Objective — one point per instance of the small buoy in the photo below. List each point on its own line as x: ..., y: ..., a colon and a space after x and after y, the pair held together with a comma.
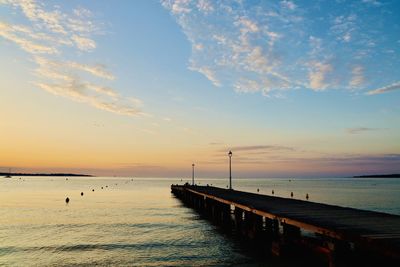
x: 106, y: 185
x: 291, y: 194
x: 101, y: 187
x: 258, y: 190
x: 81, y: 193
x: 307, y: 196
x: 67, y: 200
x: 92, y: 190
x: 66, y: 179
x: 273, y: 192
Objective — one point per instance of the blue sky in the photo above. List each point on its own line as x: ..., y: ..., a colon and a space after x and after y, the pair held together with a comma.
x: 295, y: 87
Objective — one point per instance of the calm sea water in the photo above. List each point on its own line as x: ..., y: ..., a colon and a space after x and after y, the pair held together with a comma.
x: 139, y: 222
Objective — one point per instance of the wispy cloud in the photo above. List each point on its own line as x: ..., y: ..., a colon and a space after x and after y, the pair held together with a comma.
x: 389, y: 88
x: 362, y: 159
x: 15, y: 33
x: 288, y: 4
x: 205, y: 6
x: 83, y: 43
x: 47, y: 37
x: 278, y: 46
x: 55, y: 27
x: 252, y: 154
x: 343, y: 27
x: 94, y: 95
x: 97, y: 70
x: 357, y: 76
x: 372, y: 2
x: 318, y: 75
x: 215, y: 143
x: 359, y: 130
x: 228, y: 55
x: 178, y: 6
x: 209, y: 73
x: 261, y: 147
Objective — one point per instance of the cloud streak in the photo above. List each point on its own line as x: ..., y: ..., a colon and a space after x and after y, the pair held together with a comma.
x: 46, y: 39
x: 13, y: 33
x: 260, y: 147
x: 359, y: 130
x: 389, y: 88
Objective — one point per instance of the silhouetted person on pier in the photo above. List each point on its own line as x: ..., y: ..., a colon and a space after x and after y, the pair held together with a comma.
x: 258, y: 190
x: 307, y: 196
x: 291, y: 194
x: 273, y: 192
x: 67, y: 200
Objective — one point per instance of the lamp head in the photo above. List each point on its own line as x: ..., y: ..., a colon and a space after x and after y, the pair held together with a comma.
x: 230, y: 153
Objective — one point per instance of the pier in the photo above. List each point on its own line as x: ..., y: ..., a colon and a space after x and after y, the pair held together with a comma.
x: 321, y: 234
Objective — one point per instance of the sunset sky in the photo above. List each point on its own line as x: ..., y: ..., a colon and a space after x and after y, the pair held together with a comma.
x: 145, y: 88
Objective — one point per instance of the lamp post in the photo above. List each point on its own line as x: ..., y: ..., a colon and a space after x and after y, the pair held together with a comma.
x: 230, y: 169
x: 192, y: 173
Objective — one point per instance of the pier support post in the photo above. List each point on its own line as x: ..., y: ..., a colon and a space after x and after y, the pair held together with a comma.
x: 207, y: 207
x: 217, y: 214
x: 290, y: 239
x: 226, y: 216
x: 341, y: 254
x: 238, y: 218
x: 201, y: 204
x: 252, y: 225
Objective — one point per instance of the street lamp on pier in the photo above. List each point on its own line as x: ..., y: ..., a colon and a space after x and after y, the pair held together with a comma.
x: 230, y: 169
x: 192, y: 173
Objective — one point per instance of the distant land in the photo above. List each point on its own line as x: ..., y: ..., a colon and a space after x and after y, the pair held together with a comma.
x: 43, y: 174
x: 378, y: 176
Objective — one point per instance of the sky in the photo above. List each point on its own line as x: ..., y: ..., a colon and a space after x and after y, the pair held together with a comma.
x: 146, y: 88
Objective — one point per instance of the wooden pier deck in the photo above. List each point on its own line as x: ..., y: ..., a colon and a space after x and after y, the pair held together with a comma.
x: 373, y: 232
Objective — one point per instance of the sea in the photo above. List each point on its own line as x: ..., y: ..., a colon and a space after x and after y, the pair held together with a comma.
x: 130, y: 221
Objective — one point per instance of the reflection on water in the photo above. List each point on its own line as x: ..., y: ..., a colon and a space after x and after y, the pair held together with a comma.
x: 140, y: 223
